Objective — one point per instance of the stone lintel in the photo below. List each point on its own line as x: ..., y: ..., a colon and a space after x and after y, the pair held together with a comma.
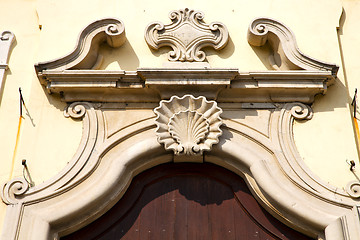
x: 154, y: 84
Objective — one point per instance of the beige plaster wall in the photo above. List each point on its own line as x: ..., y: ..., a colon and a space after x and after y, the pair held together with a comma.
x: 328, y: 142
x: 48, y: 140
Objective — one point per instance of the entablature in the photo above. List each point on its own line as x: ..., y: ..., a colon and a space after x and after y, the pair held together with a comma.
x: 221, y: 84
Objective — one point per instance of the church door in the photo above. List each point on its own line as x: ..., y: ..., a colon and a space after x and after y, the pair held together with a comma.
x: 187, y: 201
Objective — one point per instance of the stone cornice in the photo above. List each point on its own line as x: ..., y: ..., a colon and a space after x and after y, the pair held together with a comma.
x: 154, y: 84
x: 298, y: 78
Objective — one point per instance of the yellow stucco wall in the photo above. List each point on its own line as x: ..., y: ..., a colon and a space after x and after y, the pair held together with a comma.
x: 48, y: 140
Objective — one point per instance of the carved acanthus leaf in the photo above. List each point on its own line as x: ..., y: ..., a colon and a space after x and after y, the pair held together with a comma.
x: 188, y: 125
x: 186, y: 35
x: 286, y: 54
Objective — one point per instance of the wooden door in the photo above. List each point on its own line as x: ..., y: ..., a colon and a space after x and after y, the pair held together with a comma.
x: 186, y: 201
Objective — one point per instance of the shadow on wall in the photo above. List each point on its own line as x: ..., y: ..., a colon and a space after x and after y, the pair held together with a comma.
x: 337, y: 95
x: 263, y: 54
x: 6, y: 72
x: 124, y: 56
x: 224, y: 53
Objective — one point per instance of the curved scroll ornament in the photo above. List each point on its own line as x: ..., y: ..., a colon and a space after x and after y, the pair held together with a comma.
x: 7, y: 38
x: 13, y: 189
x: 286, y: 54
x: 75, y: 110
x: 186, y: 35
x: 301, y: 111
x: 18, y: 190
x: 353, y: 189
x: 85, y: 54
x: 188, y: 125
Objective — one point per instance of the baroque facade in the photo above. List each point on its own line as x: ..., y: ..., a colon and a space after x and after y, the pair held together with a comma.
x: 247, y: 87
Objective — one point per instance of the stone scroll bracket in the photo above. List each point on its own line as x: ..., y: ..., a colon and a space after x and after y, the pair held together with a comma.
x: 187, y: 35
x: 86, y: 53
x: 7, y: 39
x: 285, y: 52
x: 19, y: 191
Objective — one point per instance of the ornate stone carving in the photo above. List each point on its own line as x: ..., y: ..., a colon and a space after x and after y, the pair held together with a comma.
x: 353, y: 189
x: 12, y: 189
x: 186, y: 35
x: 268, y: 161
x: 85, y: 54
x: 188, y: 125
x: 286, y: 54
x: 6, y: 40
x: 75, y: 110
x: 301, y: 111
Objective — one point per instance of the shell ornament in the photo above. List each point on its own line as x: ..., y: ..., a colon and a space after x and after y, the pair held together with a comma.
x: 188, y: 125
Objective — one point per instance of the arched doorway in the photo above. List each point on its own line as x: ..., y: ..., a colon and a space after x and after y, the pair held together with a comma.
x: 187, y: 201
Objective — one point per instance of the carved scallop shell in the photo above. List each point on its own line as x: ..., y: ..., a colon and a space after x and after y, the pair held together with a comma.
x: 188, y: 125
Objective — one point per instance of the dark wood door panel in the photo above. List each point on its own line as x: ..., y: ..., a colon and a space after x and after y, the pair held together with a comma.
x: 187, y: 201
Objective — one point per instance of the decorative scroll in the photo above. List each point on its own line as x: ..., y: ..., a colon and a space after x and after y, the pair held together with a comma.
x: 6, y: 40
x: 301, y: 111
x: 286, y: 54
x: 76, y: 110
x: 13, y: 189
x: 85, y: 54
x: 186, y: 35
x: 353, y: 189
x: 188, y: 125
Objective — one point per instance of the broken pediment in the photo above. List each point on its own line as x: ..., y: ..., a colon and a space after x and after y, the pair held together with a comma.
x: 187, y: 35
x: 285, y: 52
x: 86, y: 53
x: 297, y: 77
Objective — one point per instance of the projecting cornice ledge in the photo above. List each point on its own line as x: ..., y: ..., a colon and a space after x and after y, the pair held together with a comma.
x: 154, y: 84
x: 295, y: 78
